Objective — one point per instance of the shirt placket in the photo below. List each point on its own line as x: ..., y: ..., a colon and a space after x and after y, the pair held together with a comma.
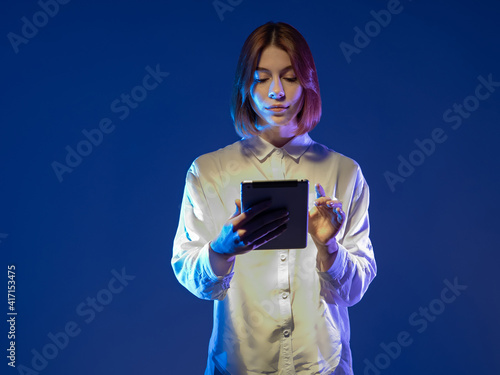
x: 278, y: 173
x: 286, y: 313
x: 277, y: 165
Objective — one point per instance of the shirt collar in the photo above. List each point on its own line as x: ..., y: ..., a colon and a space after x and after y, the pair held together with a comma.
x: 262, y: 148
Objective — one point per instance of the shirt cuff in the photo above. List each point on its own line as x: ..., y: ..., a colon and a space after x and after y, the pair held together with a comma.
x: 339, y: 265
x: 207, y: 267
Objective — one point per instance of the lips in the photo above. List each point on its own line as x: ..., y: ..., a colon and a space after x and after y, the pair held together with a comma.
x: 277, y: 108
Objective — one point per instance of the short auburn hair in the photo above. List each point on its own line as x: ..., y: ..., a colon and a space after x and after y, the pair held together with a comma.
x: 287, y: 38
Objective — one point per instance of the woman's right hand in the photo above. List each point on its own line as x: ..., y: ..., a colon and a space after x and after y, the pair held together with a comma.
x: 245, y: 231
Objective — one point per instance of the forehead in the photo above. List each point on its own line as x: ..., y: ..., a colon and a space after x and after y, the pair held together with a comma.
x: 274, y: 59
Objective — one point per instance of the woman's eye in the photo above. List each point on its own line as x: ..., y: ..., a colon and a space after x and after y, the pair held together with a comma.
x: 289, y: 79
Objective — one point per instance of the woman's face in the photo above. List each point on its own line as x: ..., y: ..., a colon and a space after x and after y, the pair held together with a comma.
x: 276, y: 94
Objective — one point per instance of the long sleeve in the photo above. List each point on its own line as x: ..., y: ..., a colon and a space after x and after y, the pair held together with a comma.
x: 354, y: 268
x: 190, y: 260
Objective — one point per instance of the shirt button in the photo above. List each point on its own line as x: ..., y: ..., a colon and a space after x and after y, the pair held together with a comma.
x: 284, y: 296
x: 279, y: 152
x: 286, y: 333
x: 283, y: 257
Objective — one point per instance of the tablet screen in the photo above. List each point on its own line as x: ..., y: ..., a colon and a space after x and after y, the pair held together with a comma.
x: 290, y: 194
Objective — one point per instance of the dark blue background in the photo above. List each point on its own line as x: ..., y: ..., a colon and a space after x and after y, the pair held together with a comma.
x: 119, y: 207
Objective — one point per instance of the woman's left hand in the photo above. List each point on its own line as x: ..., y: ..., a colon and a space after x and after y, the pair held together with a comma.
x: 325, y: 220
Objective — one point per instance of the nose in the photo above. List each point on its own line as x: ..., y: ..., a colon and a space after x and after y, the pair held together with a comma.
x: 276, y: 89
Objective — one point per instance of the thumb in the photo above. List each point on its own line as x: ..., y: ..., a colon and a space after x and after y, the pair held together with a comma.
x: 237, y: 203
x: 320, y: 192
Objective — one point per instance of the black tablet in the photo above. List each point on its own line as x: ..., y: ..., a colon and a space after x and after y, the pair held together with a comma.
x: 290, y: 194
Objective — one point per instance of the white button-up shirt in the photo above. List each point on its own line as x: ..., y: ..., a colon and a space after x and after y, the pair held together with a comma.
x: 275, y: 312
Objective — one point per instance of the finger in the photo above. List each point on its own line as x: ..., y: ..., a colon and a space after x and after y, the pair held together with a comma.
x: 334, y: 201
x: 261, y: 228
x: 340, y: 215
x: 270, y: 236
x: 337, y: 209
x: 237, y: 203
x: 326, y: 211
x: 263, y: 219
x: 251, y: 212
x: 322, y: 201
x: 320, y: 192
x: 334, y: 204
x: 336, y: 216
x: 263, y: 231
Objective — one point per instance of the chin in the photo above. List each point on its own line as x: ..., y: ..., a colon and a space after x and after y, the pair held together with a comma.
x: 279, y: 120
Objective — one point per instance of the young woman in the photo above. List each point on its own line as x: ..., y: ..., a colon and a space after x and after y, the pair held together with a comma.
x: 275, y: 311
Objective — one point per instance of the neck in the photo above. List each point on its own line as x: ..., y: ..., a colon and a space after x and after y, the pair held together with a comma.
x: 278, y: 136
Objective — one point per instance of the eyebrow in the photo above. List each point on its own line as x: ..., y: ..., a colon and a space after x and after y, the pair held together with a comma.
x: 259, y: 68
